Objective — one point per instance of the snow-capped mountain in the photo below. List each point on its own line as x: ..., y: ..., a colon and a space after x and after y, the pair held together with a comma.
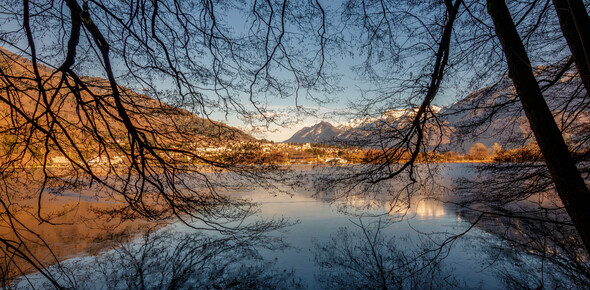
x: 387, y: 115
x: 322, y: 132
x: 489, y: 115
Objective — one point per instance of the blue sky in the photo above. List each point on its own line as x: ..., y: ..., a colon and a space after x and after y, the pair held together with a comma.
x: 341, y: 102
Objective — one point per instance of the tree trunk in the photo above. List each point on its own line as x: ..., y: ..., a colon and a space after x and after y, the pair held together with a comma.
x: 568, y: 182
x: 575, y: 26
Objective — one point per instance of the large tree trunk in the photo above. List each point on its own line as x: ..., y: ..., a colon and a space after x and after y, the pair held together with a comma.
x: 568, y: 182
x: 575, y: 25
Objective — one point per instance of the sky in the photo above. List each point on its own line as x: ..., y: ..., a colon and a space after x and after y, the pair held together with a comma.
x: 342, y: 101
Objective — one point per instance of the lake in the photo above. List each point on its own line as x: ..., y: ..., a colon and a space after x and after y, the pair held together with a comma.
x: 354, y: 242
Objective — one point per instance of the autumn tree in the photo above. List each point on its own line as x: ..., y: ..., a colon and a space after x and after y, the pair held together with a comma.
x: 479, y: 152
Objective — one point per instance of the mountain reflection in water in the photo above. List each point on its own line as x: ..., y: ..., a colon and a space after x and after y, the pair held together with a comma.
x: 428, y: 208
x: 422, y: 207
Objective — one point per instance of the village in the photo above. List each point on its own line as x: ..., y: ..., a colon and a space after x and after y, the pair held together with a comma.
x: 271, y: 153
x: 248, y: 153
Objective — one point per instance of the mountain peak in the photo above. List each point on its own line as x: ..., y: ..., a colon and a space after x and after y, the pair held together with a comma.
x: 321, y: 132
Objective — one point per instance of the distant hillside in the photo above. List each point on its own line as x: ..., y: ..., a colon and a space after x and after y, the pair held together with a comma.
x: 489, y: 115
x: 94, y: 108
x: 494, y: 114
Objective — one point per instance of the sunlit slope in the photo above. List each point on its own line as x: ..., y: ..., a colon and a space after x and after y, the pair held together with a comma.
x: 83, y: 111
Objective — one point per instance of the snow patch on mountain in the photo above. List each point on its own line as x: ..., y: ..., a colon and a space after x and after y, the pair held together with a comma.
x: 489, y: 115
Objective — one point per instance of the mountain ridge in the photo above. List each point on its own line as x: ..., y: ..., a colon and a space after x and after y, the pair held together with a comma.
x: 322, y: 132
x: 97, y: 103
x: 488, y: 115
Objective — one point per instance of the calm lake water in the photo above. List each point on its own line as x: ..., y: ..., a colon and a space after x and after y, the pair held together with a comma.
x: 354, y: 243
x: 322, y: 223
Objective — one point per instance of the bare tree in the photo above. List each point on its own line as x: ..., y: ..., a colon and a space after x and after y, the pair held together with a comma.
x: 188, y: 58
x: 543, y: 49
x: 365, y: 257
x: 390, y: 32
x: 170, y: 259
x: 568, y: 181
x: 69, y: 97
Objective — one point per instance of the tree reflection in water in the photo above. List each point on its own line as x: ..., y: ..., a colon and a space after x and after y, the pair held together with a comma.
x: 366, y: 258
x: 170, y: 259
x: 540, y: 249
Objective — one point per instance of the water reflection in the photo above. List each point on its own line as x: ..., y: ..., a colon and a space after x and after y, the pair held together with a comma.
x: 405, y: 234
x: 536, y: 253
x: 423, y: 207
x: 76, y: 228
x: 365, y: 257
x: 429, y: 208
x: 172, y: 259
x: 396, y: 243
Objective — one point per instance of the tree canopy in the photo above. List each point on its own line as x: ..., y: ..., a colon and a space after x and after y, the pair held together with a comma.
x: 134, y: 83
